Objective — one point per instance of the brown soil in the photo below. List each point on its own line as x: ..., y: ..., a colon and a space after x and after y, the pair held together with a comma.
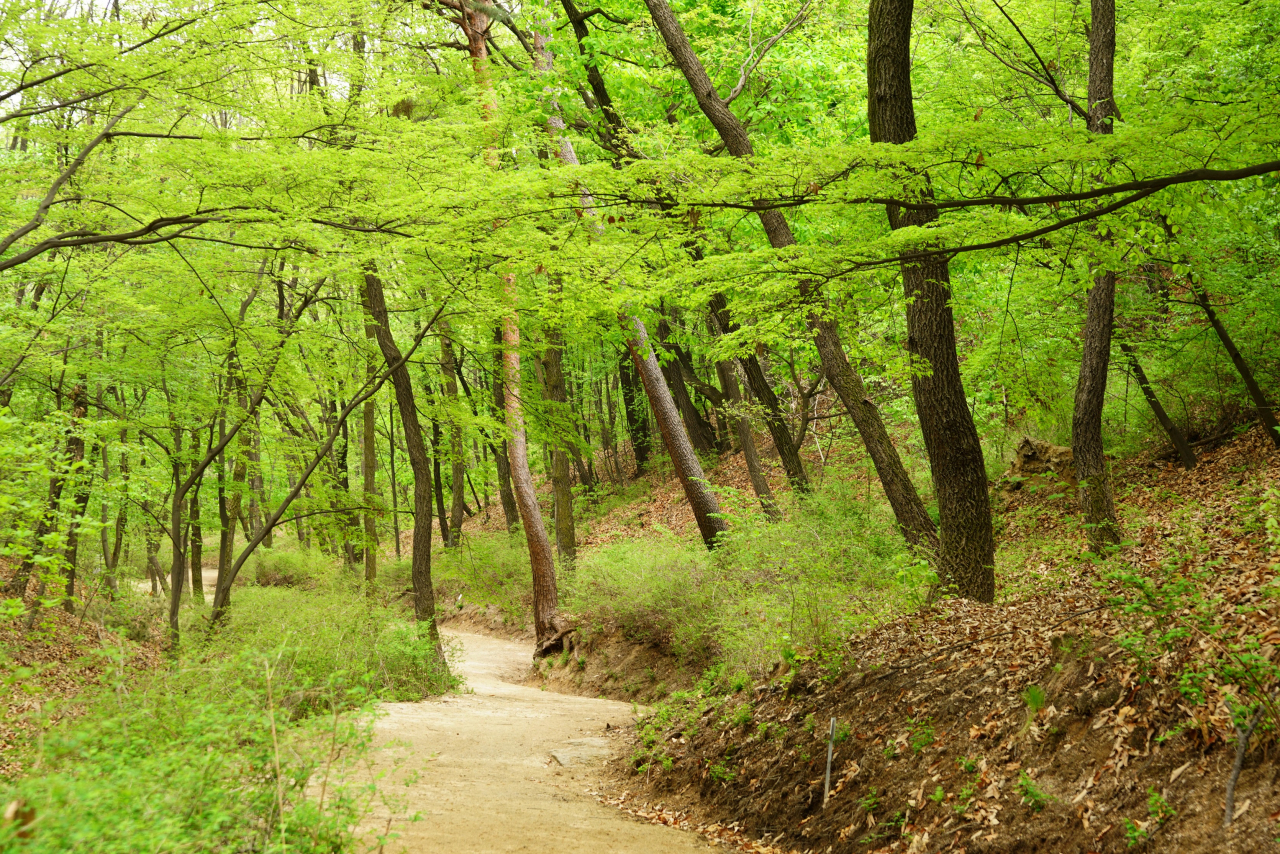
x: 606, y: 664
x: 937, y: 747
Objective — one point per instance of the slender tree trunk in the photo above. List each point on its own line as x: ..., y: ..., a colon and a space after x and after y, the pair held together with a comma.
x: 561, y: 487
x: 436, y: 441
x: 637, y: 416
x: 501, y: 459
x: 741, y: 424
x: 701, y: 434
x: 395, y: 486
x: 1175, y: 435
x: 955, y: 453
x: 197, y: 546
x: 1096, y: 500
x: 548, y: 625
x: 706, y: 509
x: 424, y: 606
x: 458, y: 484
x: 1260, y: 403
x: 913, y: 519
x: 78, y: 470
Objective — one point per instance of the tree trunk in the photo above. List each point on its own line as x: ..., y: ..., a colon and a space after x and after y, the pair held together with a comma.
x: 1260, y: 404
x: 913, y: 519
x: 436, y: 441
x: 955, y: 453
x: 1175, y: 435
x: 1096, y: 500
x: 701, y: 434
x: 548, y: 625
x: 196, y: 546
x: 424, y: 605
x: 706, y: 509
x: 395, y: 486
x: 561, y: 486
x: 368, y: 468
x: 458, y: 485
x: 77, y: 470
x: 636, y: 413
x: 741, y: 424
x: 501, y: 459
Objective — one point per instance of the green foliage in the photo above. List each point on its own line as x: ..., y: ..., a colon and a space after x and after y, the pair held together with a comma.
x: 792, y: 590
x: 334, y: 637
x: 1032, y: 795
x: 1034, y: 698
x: 291, y: 568
x: 186, y: 761
x: 486, y: 569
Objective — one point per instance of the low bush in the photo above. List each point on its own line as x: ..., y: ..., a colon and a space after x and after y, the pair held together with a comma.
x: 201, y: 757
x: 789, y: 590
x: 335, y: 636
x: 487, y: 569
x: 291, y: 568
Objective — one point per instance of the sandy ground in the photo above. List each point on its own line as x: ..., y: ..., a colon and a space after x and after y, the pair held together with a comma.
x: 503, y: 767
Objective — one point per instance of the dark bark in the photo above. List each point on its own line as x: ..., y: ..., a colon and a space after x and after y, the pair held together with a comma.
x: 1175, y: 435
x: 458, y: 475
x: 79, y: 473
x: 368, y: 469
x: 913, y: 519
x: 436, y: 440
x: 706, y: 509
x: 395, y: 486
x: 701, y: 433
x: 424, y: 606
x: 637, y: 415
x: 1260, y: 403
x: 967, y: 544
x: 196, y: 545
x: 549, y: 626
x: 1096, y: 500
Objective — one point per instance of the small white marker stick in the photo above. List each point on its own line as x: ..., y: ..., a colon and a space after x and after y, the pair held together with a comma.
x: 831, y: 743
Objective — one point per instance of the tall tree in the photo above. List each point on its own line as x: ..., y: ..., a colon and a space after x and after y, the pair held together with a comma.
x: 955, y: 453
x: 1096, y: 499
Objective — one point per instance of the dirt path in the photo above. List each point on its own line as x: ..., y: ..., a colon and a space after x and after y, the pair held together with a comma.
x: 505, y: 767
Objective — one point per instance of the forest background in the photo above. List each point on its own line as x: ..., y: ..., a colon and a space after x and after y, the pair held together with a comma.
x: 290, y: 286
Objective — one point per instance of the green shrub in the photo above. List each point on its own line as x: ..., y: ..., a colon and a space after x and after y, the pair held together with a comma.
x: 291, y: 568
x: 200, y: 757
x: 486, y: 569
x: 335, y: 636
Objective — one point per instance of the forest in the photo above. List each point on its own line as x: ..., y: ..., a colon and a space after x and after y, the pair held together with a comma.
x: 910, y: 365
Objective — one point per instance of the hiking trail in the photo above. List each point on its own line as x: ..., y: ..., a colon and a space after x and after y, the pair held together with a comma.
x: 504, y: 767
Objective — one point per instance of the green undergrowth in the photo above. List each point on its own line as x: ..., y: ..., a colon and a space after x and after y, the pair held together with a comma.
x: 247, y: 741
x: 788, y: 590
x: 485, y: 569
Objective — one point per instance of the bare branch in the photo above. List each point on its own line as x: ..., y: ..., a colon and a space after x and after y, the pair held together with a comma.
x: 754, y: 59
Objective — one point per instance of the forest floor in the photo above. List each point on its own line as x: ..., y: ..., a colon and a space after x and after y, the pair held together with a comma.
x: 1089, y: 710
x: 501, y: 766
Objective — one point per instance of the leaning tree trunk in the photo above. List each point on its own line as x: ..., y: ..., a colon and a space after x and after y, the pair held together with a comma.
x: 368, y: 468
x: 633, y: 407
x: 706, y: 509
x: 951, y: 439
x: 1260, y: 403
x: 1096, y: 500
x: 912, y: 518
x: 1175, y: 435
x: 424, y: 604
x: 549, y: 627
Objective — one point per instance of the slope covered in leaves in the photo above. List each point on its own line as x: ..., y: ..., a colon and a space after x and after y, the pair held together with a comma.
x: 1098, y: 714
